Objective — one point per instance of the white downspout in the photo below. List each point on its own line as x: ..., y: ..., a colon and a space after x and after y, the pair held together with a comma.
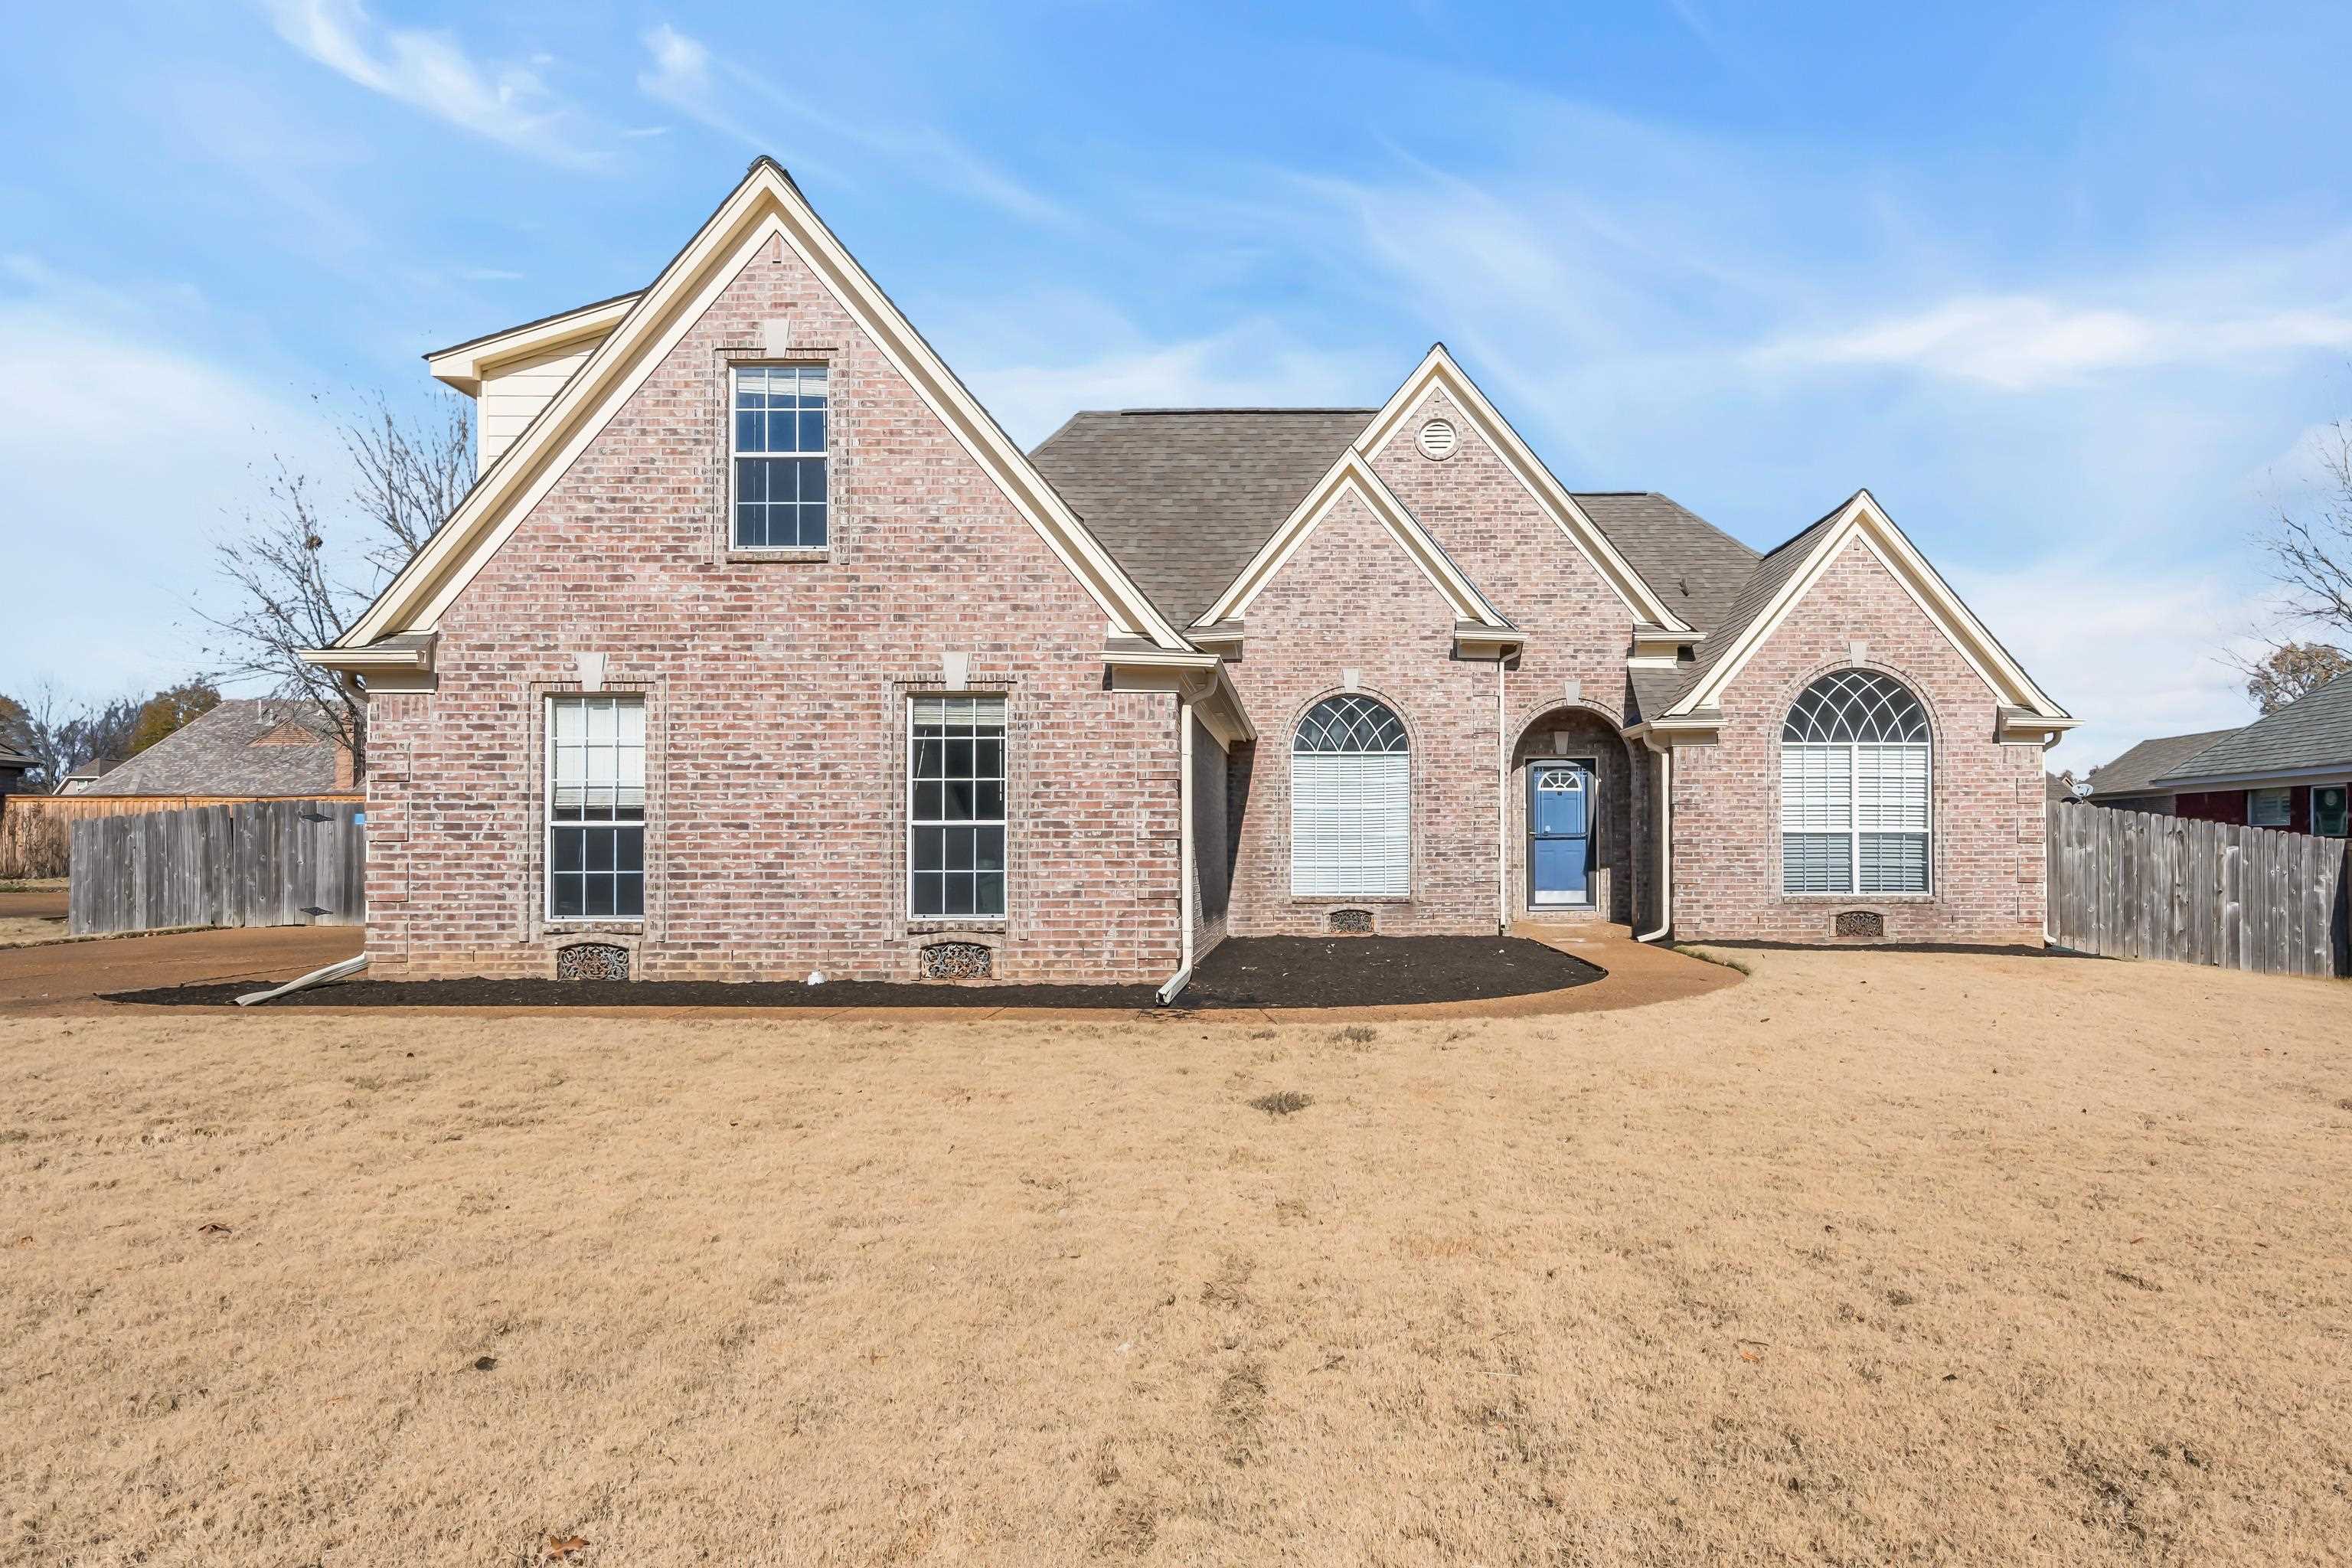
x: 1183, y: 975
x: 1502, y: 803
x: 1665, y: 847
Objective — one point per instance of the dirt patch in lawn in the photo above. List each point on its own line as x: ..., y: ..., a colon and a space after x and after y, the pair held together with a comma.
x: 1868, y: 1259
x: 32, y: 911
x: 1245, y: 972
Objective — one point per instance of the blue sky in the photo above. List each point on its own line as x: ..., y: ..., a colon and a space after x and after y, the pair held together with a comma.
x: 2068, y: 287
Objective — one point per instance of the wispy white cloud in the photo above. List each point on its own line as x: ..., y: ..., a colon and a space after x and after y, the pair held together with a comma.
x: 684, y: 74
x: 110, y: 511
x: 2134, y: 651
x: 429, y: 70
x: 2025, y: 342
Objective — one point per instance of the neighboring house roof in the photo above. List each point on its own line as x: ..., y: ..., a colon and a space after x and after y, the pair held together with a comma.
x: 1185, y: 497
x: 2055, y: 789
x: 1693, y: 565
x: 15, y: 761
x: 2136, y: 770
x: 245, y: 747
x: 2310, y: 734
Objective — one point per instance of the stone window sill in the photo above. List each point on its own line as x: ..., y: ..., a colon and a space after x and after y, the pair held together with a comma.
x: 935, y: 925
x: 778, y: 557
x: 1858, y: 900
x: 557, y: 926
x: 1323, y: 901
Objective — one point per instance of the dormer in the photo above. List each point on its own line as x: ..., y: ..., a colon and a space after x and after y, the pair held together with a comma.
x: 512, y: 375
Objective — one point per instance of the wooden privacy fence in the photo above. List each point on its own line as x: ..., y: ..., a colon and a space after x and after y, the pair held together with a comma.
x: 258, y: 863
x: 2131, y: 884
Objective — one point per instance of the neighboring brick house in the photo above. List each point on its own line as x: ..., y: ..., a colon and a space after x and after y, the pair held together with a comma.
x: 2290, y: 769
x: 758, y: 649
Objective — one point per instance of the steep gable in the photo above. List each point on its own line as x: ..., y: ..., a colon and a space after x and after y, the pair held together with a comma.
x: 765, y: 210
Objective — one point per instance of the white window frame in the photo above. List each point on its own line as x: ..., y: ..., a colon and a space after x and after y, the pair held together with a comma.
x: 2344, y: 825
x: 736, y: 455
x: 1403, y: 891
x: 1855, y: 832
x: 1003, y: 821
x: 549, y: 825
x: 2285, y: 798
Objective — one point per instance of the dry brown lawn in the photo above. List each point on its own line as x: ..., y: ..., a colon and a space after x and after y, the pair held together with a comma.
x: 1874, y: 1258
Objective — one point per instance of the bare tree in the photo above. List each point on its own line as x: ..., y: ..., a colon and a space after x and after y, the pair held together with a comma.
x: 61, y: 737
x: 2310, y: 548
x: 300, y: 572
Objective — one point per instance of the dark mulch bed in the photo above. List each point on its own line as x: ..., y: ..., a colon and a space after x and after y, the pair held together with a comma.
x: 1246, y: 972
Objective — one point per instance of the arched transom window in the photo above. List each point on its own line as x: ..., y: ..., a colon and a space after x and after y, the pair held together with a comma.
x: 1351, y: 802
x: 1854, y: 787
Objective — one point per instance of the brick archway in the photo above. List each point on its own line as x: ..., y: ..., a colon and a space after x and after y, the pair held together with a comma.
x: 1571, y: 729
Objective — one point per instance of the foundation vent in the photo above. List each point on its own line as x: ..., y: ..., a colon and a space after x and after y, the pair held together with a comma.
x: 1352, y: 922
x: 959, y: 961
x: 1860, y: 922
x: 591, y: 961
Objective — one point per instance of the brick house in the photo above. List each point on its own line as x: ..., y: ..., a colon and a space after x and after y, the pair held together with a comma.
x: 759, y: 649
x: 2290, y: 769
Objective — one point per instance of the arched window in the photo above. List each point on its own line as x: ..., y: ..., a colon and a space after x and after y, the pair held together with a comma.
x: 1854, y: 787
x: 1350, y: 803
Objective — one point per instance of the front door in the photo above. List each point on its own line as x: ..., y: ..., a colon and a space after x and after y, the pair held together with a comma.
x: 1561, y: 813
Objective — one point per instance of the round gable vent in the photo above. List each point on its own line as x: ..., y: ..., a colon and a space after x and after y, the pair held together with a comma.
x: 1438, y: 439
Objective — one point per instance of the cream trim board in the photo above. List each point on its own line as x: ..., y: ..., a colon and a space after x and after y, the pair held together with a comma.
x: 1437, y: 371
x: 466, y: 365
x: 1352, y: 475
x: 1864, y: 522
x: 764, y: 205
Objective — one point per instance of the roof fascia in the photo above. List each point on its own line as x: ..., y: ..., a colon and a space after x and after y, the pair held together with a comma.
x: 2251, y: 778
x: 1438, y: 370
x: 1862, y: 517
x: 1351, y: 475
x: 465, y: 364
x: 764, y: 205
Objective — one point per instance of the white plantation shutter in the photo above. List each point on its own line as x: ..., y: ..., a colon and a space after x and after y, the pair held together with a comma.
x: 1854, y: 788
x: 1350, y: 826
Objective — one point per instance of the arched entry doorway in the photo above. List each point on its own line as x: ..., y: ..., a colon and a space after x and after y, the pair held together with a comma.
x: 1573, y: 787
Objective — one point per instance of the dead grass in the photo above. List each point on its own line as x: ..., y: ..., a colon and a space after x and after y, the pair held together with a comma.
x: 1876, y: 1257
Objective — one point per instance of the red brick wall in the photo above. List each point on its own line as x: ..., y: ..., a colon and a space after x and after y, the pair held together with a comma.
x: 1988, y: 798
x: 1350, y: 598
x: 1578, y: 629
x: 775, y: 700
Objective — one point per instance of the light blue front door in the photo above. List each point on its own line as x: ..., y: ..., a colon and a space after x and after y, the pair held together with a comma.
x: 1559, y: 832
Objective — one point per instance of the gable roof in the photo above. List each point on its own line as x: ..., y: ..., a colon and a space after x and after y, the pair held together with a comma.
x: 2134, y: 772
x: 765, y: 206
x: 239, y: 748
x: 1352, y: 475
x: 1784, y: 575
x: 1696, y: 567
x: 1437, y: 371
x: 2313, y: 732
x: 1185, y: 497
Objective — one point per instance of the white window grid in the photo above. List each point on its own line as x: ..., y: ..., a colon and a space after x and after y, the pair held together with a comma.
x: 777, y: 421
x: 1856, y: 817
x: 976, y: 722
x: 595, y: 799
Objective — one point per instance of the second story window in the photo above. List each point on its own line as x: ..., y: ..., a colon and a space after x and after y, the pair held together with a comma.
x: 779, y: 457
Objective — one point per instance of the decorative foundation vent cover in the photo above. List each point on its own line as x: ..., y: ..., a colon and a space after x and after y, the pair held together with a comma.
x: 959, y: 961
x: 593, y: 961
x: 1352, y: 922
x: 1861, y: 922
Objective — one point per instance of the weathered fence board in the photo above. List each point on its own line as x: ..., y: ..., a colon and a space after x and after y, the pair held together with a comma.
x: 2130, y: 884
x: 256, y: 863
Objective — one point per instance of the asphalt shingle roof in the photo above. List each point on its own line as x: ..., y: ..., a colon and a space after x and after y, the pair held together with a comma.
x: 2314, y: 731
x: 1689, y: 561
x: 1184, y: 497
x: 2136, y: 770
x: 216, y: 754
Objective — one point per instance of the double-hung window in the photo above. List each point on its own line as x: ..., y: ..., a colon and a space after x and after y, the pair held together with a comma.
x: 779, y: 457
x: 1854, y: 788
x: 2270, y: 807
x: 596, y: 808
x: 956, y: 807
